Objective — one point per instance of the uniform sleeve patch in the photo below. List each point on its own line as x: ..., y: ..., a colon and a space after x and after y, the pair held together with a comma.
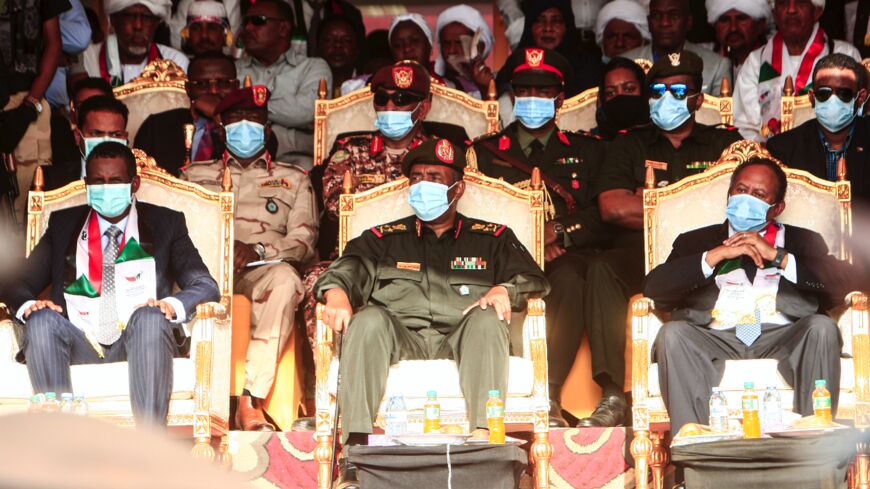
x: 385, y: 229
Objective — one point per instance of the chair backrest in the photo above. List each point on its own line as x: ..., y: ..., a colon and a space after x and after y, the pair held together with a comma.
x: 209, y: 215
x: 485, y: 198
x: 160, y: 87
x: 699, y: 200
x: 796, y: 109
x: 354, y: 112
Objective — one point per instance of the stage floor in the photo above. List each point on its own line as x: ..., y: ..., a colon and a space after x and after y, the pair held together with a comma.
x: 584, y: 458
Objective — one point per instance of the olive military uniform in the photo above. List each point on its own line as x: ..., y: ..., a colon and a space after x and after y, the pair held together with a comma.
x: 410, y: 289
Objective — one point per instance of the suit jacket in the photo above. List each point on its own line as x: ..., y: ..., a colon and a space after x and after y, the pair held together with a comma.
x: 163, y: 234
x: 802, y: 148
x: 679, y: 284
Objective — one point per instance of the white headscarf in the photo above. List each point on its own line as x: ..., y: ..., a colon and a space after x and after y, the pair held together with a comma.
x: 160, y: 8
x: 415, y: 18
x: 207, y: 10
x: 469, y: 17
x: 626, y: 10
x: 757, y: 9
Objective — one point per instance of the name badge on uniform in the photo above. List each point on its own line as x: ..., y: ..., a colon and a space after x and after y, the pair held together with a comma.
x: 275, y: 183
x: 372, y: 178
x: 468, y: 263
x: 408, y: 266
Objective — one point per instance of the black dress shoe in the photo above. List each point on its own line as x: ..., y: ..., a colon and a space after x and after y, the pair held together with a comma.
x: 610, y: 412
x: 347, y: 475
x: 557, y: 420
x: 303, y: 424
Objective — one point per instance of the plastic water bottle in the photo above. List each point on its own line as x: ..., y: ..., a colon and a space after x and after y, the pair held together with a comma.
x: 432, y: 413
x: 751, y: 421
x: 80, y: 406
x: 51, y: 403
x: 772, y: 406
x: 396, y: 416
x: 718, y: 411
x: 822, y: 402
x: 66, y: 402
x: 36, y: 402
x: 495, y: 417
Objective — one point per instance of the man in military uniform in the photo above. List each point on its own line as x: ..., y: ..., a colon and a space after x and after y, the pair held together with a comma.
x: 435, y: 285
x: 678, y: 143
x: 275, y: 230
x: 569, y: 164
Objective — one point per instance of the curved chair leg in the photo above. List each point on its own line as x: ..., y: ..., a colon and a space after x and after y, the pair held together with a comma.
x: 322, y: 455
x: 658, y: 460
x: 541, y: 453
x: 641, y: 450
x: 224, y: 458
x: 861, y: 476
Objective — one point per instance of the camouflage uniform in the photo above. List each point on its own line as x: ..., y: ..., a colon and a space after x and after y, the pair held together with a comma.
x: 274, y: 206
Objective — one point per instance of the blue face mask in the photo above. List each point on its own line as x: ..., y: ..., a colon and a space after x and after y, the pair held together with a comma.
x: 395, y: 124
x: 110, y: 200
x: 429, y: 199
x: 93, y: 142
x: 534, y: 112
x: 669, y: 113
x: 245, y: 138
x: 834, y: 114
x: 746, y: 213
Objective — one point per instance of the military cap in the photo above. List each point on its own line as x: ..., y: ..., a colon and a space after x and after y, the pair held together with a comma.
x: 538, y: 67
x: 256, y: 97
x: 408, y: 76
x: 679, y: 63
x: 439, y: 152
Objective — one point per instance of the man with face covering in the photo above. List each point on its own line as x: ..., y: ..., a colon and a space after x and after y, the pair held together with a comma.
x: 433, y: 285
x: 84, y: 242
x: 276, y: 223
x: 569, y: 164
x: 718, y: 275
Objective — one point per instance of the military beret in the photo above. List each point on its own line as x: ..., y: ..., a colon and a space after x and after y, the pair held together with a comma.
x: 538, y: 67
x: 439, y: 152
x: 679, y: 63
x: 408, y: 76
x: 256, y: 97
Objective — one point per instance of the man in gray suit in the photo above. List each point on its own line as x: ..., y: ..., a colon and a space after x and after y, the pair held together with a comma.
x: 669, y: 24
x: 82, y: 246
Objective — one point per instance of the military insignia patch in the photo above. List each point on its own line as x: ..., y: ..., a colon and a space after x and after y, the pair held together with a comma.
x: 259, y: 92
x: 534, y: 57
x: 564, y: 138
x: 276, y: 183
x: 271, y: 206
x: 444, y: 151
x: 569, y: 161
x: 674, y: 59
x: 504, y: 143
x: 403, y: 76
x: 372, y: 178
x: 488, y: 228
x: 408, y: 266
x: 468, y: 263
x: 385, y: 229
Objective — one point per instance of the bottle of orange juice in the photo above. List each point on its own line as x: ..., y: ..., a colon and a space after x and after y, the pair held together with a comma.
x: 495, y: 417
x: 822, y: 402
x: 432, y: 413
x: 751, y: 420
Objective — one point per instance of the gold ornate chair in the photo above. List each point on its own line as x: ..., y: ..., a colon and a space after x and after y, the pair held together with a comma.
x: 160, y: 87
x: 527, y: 402
x: 354, y: 112
x: 200, y: 394
x: 796, y: 109
x: 699, y: 200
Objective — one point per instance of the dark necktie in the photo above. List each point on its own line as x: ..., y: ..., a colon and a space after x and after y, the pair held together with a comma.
x: 204, y: 149
x: 108, y: 332
x: 536, y: 155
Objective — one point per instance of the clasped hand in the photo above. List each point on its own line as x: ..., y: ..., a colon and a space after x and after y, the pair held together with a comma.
x: 749, y: 244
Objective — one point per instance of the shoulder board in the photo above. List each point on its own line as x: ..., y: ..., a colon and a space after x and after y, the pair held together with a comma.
x: 487, y: 228
x: 590, y: 134
x: 385, y: 229
x: 205, y: 162
x: 486, y: 136
x: 346, y: 138
x: 290, y: 165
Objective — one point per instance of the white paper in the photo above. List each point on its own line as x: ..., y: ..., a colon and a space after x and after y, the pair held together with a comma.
x: 135, y: 283
x: 83, y: 311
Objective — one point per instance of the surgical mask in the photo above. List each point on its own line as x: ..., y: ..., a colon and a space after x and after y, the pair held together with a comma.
x: 746, y: 213
x: 395, y: 124
x: 429, y: 199
x: 92, y: 142
x: 834, y: 114
x: 668, y: 113
x: 110, y: 200
x: 245, y: 138
x: 534, y: 112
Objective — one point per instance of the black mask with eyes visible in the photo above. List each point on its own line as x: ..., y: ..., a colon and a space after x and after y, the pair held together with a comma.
x: 621, y: 112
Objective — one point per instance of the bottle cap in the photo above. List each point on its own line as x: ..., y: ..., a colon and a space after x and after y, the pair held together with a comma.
x: 432, y: 394
x: 66, y: 395
x: 36, y: 398
x: 50, y: 395
x: 494, y: 393
x: 821, y: 383
x: 749, y: 385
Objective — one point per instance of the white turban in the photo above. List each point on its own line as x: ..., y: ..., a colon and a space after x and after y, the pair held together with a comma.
x: 625, y: 10
x: 160, y: 8
x: 415, y: 18
x: 819, y: 3
x: 208, y: 11
x: 757, y: 9
x: 469, y: 17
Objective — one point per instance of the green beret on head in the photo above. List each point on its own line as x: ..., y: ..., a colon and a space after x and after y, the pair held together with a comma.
x: 439, y: 152
x: 679, y: 63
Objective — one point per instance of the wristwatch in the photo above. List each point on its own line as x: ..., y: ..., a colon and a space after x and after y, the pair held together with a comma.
x: 260, y: 250
x: 35, y: 103
x: 559, y: 228
x: 780, y: 256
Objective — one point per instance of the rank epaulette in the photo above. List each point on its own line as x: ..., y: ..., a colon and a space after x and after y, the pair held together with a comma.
x: 487, y: 228
x: 385, y: 229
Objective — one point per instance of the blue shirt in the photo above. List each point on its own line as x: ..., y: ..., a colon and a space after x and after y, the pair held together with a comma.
x: 832, y: 156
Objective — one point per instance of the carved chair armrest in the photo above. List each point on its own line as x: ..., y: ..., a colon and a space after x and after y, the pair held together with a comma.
x: 323, y: 353
x: 857, y: 335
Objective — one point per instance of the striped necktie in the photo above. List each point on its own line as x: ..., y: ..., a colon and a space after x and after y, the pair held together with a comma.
x: 108, y: 332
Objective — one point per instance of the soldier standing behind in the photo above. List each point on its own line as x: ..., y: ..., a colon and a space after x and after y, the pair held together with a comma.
x: 275, y: 220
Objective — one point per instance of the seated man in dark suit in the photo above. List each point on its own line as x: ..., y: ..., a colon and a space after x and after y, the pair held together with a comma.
x: 716, y: 274
x: 82, y: 244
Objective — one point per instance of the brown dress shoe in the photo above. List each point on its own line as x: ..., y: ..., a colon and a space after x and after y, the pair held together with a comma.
x: 250, y: 416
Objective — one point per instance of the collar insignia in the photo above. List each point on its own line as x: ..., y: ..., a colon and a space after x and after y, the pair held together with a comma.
x: 259, y: 92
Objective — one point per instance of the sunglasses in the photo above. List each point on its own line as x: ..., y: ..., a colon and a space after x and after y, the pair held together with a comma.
x: 679, y: 90
x: 219, y: 83
x: 822, y: 94
x: 399, y: 98
x: 259, y: 20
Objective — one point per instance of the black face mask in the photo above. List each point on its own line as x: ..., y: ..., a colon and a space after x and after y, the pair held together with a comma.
x: 621, y: 112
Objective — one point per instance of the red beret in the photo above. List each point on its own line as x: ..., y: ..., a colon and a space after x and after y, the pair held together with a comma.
x: 408, y: 76
x: 255, y: 97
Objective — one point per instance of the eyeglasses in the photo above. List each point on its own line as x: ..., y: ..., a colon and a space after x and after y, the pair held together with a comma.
x: 679, y: 90
x: 399, y: 98
x: 132, y: 17
x: 218, y: 83
x: 259, y: 20
x: 822, y: 94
